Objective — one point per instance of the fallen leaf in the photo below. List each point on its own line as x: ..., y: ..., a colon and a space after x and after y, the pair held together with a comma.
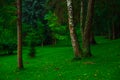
x: 89, y: 62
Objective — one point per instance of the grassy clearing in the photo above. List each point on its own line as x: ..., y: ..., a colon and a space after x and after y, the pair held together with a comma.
x: 54, y: 63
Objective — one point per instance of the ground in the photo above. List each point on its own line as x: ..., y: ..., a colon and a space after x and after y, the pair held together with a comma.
x: 55, y: 63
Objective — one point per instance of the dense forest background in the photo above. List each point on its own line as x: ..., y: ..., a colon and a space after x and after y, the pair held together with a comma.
x: 80, y: 24
x: 45, y: 22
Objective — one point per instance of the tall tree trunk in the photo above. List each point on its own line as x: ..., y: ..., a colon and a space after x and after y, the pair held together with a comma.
x: 92, y: 38
x: 81, y: 18
x: 87, y: 29
x: 32, y: 50
x: 73, y: 36
x: 42, y: 43
x: 113, y: 31
x: 19, y: 35
x: 109, y: 33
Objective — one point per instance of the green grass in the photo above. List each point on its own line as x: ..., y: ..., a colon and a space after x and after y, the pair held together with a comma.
x: 55, y: 63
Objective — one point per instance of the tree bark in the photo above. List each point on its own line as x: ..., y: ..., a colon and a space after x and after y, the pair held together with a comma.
x: 19, y: 35
x: 92, y: 39
x: 42, y: 43
x: 109, y: 33
x: 113, y: 31
x: 87, y: 29
x: 81, y: 18
x: 74, y: 41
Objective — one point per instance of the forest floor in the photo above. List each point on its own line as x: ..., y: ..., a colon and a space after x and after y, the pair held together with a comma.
x: 55, y: 63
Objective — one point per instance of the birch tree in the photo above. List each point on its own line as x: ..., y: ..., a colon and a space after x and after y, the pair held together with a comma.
x: 74, y: 41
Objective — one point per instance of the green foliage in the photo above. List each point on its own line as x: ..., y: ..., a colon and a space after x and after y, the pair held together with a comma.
x: 8, y: 29
x: 7, y: 40
x: 33, y: 35
x: 33, y: 10
x: 31, y: 39
x: 32, y: 50
x: 58, y: 31
x: 8, y: 24
x: 7, y: 37
x: 40, y: 31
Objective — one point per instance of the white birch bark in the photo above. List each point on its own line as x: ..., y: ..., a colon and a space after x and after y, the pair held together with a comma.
x: 73, y: 36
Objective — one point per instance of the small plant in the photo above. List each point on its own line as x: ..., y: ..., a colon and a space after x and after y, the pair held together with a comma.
x: 31, y: 40
x: 32, y: 50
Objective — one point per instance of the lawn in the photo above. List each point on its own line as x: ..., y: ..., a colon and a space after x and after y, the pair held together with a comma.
x: 55, y: 63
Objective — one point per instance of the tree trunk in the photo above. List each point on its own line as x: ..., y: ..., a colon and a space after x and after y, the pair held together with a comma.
x: 113, y: 31
x: 42, y: 43
x: 92, y: 39
x: 87, y: 29
x: 109, y: 33
x: 73, y: 36
x: 32, y: 50
x: 81, y: 18
x: 19, y: 35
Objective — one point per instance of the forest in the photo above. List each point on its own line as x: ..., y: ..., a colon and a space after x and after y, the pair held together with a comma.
x: 59, y: 39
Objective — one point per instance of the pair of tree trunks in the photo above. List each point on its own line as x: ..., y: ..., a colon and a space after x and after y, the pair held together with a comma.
x: 112, y: 32
x: 85, y: 31
x: 19, y: 34
x: 87, y: 35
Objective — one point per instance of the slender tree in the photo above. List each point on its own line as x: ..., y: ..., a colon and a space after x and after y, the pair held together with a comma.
x: 73, y: 36
x: 19, y: 34
x: 87, y: 29
x: 92, y: 38
x: 81, y: 17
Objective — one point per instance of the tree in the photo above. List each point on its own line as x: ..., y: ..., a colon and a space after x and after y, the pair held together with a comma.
x: 87, y: 29
x: 33, y: 12
x: 19, y: 34
x: 81, y: 18
x: 8, y: 29
x: 73, y: 36
x: 58, y: 31
x: 106, y: 18
x: 92, y: 38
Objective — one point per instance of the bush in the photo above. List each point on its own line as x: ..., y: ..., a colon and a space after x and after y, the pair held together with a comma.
x: 32, y: 50
x: 6, y: 49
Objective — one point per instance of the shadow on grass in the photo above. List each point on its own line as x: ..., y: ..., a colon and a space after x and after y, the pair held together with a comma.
x: 4, y: 55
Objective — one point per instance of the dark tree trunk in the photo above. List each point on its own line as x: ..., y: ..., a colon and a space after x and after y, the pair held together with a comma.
x: 87, y: 29
x: 109, y: 33
x: 54, y: 41
x: 81, y: 18
x: 92, y: 39
x: 118, y: 31
x: 32, y: 50
x: 19, y: 35
x: 42, y: 43
x: 113, y: 31
x: 74, y: 41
